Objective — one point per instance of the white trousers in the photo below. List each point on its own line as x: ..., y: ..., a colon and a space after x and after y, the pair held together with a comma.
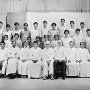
x: 4, y: 67
x: 47, y: 68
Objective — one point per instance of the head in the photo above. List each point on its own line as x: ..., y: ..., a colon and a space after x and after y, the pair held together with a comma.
x: 62, y: 21
x: 7, y: 27
x: 37, y: 38
x: 6, y: 37
x: 59, y: 43
x: 47, y: 44
x: 66, y: 32
x: 82, y: 24
x: 35, y: 24
x: 88, y: 32
x: 13, y: 43
x: 2, y: 45
x: 35, y: 44
x: 25, y: 44
x: 71, y: 23
x: 82, y: 44
x: 16, y: 36
x: 29, y: 39
x: 71, y: 43
x: 16, y: 24
x: 45, y: 23
x: 77, y: 31
x: 46, y: 37
x: 56, y: 37
x: 25, y: 25
x: 1, y: 24
x: 53, y: 25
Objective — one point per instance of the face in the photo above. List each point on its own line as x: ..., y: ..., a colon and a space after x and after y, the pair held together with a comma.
x: 29, y: 39
x: 13, y: 44
x: 46, y: 38
x: 88, y: 33
x: 16, y: 37
x: 25, y: 44
x: 1, y: 25
x: 53, y: 26
x: 82, y: 45
x: 45, y: 24
x: 35, y: 45
x: 47, y: 45
x: 2, y: 45
x: 25, y: 26
x: 7, y: 28
x: 16, y: 26
x: 82, y: 25
x: 72, y: 24
x: 66, y: 33
x: 6, y: 38
x: 59, y: 44
x: 37, y: 39
x: 35, y: 26
x: 62, y: 22
x: 77, y: 32
x: 71, y: 44
x: 56, y: 37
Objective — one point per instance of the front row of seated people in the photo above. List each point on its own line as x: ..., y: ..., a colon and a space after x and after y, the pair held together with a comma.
x: 48, y: 62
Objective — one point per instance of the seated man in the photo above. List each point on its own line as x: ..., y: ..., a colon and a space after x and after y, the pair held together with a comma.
x: 59, y: 62
x: 84, y: 61
x: 3, y: 58
x: 24, y: 60
x: 13, y: 56
x: 47, y: 57
x: 35, y: 61
x: 72, y: 60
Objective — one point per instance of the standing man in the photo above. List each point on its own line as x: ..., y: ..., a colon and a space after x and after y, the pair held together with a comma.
x: 59, y: 60
x: 47, y: 59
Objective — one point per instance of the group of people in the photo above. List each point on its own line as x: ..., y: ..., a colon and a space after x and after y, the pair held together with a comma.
x: 45, y: 53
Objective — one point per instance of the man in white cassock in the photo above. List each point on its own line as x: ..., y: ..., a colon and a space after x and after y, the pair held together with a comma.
x: 3, y: 58
x: 47, y: 61
x: 24, y: 60
x: 35, y: 61
x: 84, y: 61
x: 59, y: 60
x: 12, y: 56
x: 72, y: 60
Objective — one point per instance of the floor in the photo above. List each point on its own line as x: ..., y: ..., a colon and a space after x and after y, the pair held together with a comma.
x: 38, y: 84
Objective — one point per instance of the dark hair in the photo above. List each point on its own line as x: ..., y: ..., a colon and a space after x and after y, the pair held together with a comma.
x: 44, y: 21
x: 35, y: 23
x: 37, y: 37
x: 35, y: 42
x: 71, y: 22
x: 82, y: 23
x: 7, y: 25
x: 1, y: 22
x: 77, y: 30
x: 62, y: 19
x: 82, y: 43
x: 2, y: 42
x: 16, y: 34
x: 28, y: 37
x: 88, y: 30
x: 46, y: 35
x: 54, y: 24
x: 56, y: 35
x: 5, y: 36
x: 16, y: 23
x: 66, y: 31
x: 25, y: 24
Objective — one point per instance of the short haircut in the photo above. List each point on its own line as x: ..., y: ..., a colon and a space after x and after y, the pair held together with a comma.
x: 44, y: 21
x: 56, y: 35
x: 82, y: 43
x: 16, y: 34
x: 35, y: 42
x: 37, y: 37
x: 16, y: 23
x: 28, y: 37
x: 35, y: 23
x: 25, y: 24
x: 53, y: 24
x: 87, y: 30
x: 46, y: 35
x: 5, y: 36
x: 62, y: 19
x: 7, y: 25
x: 1, y: 22
x: 71, y: 22
x: 77, y: 30
x: 2, y: 42
x: 81, y: 23
x: 66, y: 31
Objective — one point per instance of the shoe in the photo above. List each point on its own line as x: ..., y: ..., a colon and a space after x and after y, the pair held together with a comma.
x: 52, y: 77
x: 44, y: 78
x: 63, y: 78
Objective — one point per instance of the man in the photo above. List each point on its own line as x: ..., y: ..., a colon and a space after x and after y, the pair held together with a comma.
x: 47, y: 60
x: 72, y: 28
x: 87, y: 40
x: 54, y: 42
x: 35, y: 61
x: 77, y: 38
x: 60, y: 60
x: 66, y: 39
x: 13, y: 57
x: 53, y: 31
x: 25, y: 33
x: 29, y: 41
x: 3, y: 59
x: 35, y: 32
x: 84, y: 61
x: 72, y: 60
x: 24, y: 60
x: 62, y: 27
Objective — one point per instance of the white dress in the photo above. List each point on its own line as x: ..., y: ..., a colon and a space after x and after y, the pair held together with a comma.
x: 72, y: 66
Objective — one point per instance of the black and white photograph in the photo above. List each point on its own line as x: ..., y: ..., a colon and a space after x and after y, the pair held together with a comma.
x: 44, y: 44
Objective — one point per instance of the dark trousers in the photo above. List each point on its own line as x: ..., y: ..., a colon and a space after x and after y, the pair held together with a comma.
x: 59, y: 68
